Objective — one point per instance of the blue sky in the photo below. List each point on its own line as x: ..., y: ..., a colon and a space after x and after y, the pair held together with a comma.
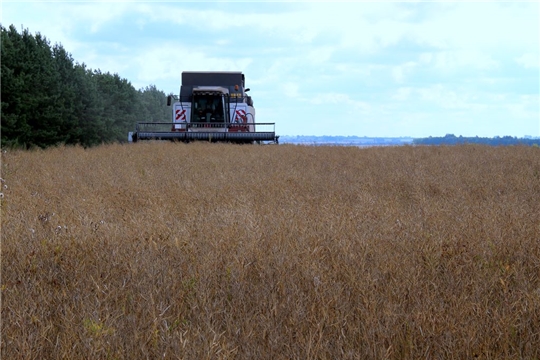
x: 323, y: 68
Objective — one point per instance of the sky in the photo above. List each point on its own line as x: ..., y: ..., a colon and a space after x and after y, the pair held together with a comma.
x: 386, y: 69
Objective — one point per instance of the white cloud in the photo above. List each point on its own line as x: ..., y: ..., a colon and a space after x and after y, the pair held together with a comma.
x: 401, y: 71
x: 524, y: 106
x: 320, y: 54
x: 529, y: 60
x: 446, y: 97
x: 425, y: 58
x: 402, y: 94
x: 449, y: 61
x: 290, y: 90
x: 164, y: 63
x: 486, y: 26
x: 344, y: 101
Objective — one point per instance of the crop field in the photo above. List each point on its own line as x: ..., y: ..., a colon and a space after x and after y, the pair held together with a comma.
x: 217, y: 251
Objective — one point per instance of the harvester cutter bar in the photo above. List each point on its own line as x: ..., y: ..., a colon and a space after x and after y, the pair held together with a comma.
x: 155, y: 131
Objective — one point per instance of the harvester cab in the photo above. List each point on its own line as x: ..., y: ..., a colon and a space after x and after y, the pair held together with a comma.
x: 208, y: 105
x: 211, y: 106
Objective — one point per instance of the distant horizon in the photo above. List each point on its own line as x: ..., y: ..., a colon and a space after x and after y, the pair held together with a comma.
x: 413, y: 137
x: 448, y: 139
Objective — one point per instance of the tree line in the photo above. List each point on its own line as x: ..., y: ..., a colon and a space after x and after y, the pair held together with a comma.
x: 451, y: 139
x: 49, y: 99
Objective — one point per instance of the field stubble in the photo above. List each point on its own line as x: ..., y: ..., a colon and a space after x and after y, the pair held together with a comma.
x: 162, y: 250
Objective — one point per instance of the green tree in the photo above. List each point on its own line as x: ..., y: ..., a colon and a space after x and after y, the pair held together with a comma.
x: 153, y: 105
x: 68, y: 92
x: 30, y: 91
x: 88, y: 107
x: 120, y: 105
x: 48, y: 99
x: 14, y: 125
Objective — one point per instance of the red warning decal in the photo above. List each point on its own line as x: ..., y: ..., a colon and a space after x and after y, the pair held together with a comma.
x: 241, y: 116
x: 180, y: 115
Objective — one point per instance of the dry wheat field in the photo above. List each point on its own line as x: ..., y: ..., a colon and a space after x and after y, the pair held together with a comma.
x: 217, y: 251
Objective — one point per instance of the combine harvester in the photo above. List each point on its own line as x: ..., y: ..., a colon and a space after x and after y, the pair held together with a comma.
x: 212, y: 106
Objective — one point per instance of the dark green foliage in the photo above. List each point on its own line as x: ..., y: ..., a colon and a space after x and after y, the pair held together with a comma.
x: 154, y: 105
x: 15, y: 127
x: 48, y: 99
